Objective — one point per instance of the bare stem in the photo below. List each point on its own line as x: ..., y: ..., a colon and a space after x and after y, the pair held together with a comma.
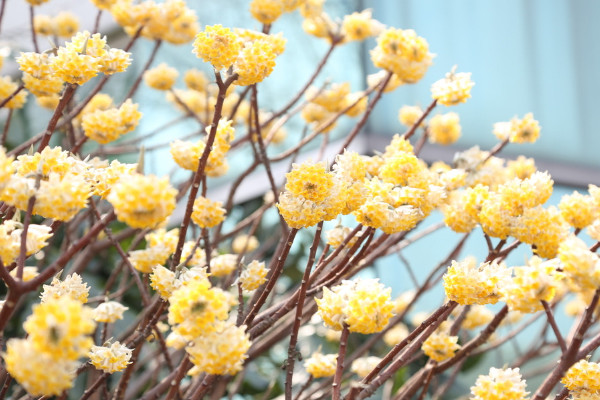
x: 337, y: 379
x: 299, y: 308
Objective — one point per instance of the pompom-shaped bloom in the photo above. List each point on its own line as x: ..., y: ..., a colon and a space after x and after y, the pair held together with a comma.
x: 255, y: 62
x: 518, y: 194
x: 466, y: 283
x: 218, y: 46
x: 39, y: 373
x: 7, y: 88
x: 454, y: 89
x: 531, y: 284
x: 364, y: 305
x: 36, y: 65
x: 163, y: 281
x: 43, y: 87
x: 105, y: 126
x: 396, y: 334
x: 223, y: 264
x: 311, y: 181
x: 43, y: 25
x: 72, y: 286
x: 578, y: 210
x: 444, y: 129
x: 10, y: 240
x: 111, y: 359
x: 207, y: 213
x: 362, y: 366
x: 66, y: 24
x: 409, y: 115
x: 580, y: 265
x: 543, y: 228
x: 336, y: 236
x: 244, y: 243
x: 266, y: 11
x: 440, y: 346
x: 195, y: 79
x: 403, y: 53
x: 61, y: 328
x: 583, y: 375
x: 477, y: 316
x: 321, y: 365
x: 221, y: 351
x: 253, y: 275
x: 525, y: 130
x: 376, y: 213
x: 74, y: 67
x: 161, y: 77
x: 62, y: 198
x: 360, y: 25
x: 109, y: 312
x: 115, y: 60
x: 195, y: 307
x: 499, y: 384
x: 142, y: 201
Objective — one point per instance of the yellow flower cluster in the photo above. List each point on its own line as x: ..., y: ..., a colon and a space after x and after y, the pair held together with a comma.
x: 321, y: 365
x: 105, y: 126
x: 454, y: 89
x: 396, y: 334
x: 364, y: 305
x: 336, y: 236
x: 165, y: 281
x: 171, y: 20
x: 253, y: 275
x: 266, y: 11
x: 207, y: 213
x: 440, y: 345
x: 363, y: 365
x: 64, y: 24
x: 10, y: 240
x: 72, y: 287
x: 466, y: 283
x: 580, y: 265
x: 477, y: 316
x: 60, y: 328
x: 223, y: 264
x: 30, y: 368
x: 531, y: 284
x: 110, y: 359
x: 578, y: 210
x: 500, y: 384
x: 444, y: 129
x: 217, y: 45
x: 142, y: 201
x: 403, y: 53
x: 161, y: 77
x: 221, y: 351
x: 161, y: 244
x: 525, y: 130
x: 360, y: 26
x: 84, y: 57
x: 109, y: 312
x: 195, y: 307
x: 252, y: 56
x: 324, y: 104
x: 311, y: 196
x: 8, y: 87
x: 583, y: 376
x: 244, y: 244
x: 409, y: 115
x: 187, y: 155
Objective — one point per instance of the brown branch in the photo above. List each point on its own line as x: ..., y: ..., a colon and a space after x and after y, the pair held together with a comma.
x: 337, y: 379
x: 299, y: 308
x: 413, y: 128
